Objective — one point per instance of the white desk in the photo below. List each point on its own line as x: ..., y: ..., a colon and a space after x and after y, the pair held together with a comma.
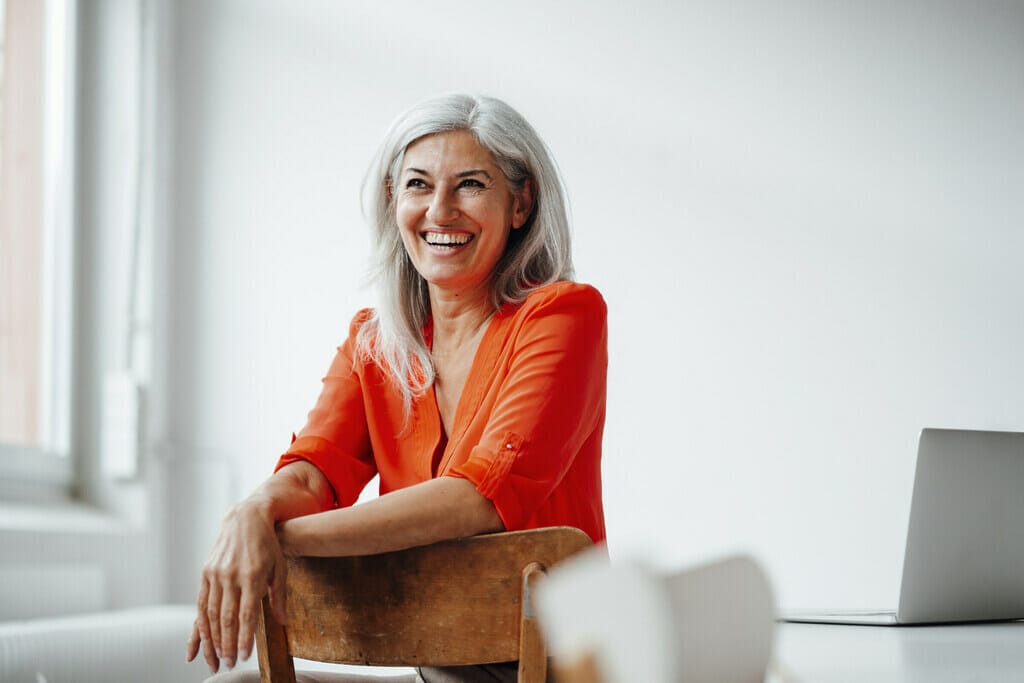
x: 977, y: 653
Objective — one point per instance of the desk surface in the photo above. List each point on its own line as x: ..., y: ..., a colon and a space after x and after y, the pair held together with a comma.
x: 976, y: 653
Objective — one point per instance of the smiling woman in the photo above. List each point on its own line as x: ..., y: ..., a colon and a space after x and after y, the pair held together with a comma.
x: 455, y: 211
x: 476, y: 390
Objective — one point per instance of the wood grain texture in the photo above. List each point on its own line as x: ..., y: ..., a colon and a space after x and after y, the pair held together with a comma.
x: 533, y: 663
x: 276, y: 664
x: 452, y: 603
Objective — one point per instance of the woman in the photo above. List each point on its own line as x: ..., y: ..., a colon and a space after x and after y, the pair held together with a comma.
x: 476, y: 390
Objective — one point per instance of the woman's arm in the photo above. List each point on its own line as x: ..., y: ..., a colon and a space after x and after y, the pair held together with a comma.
x: 247, y: 561
x: 435, y: 510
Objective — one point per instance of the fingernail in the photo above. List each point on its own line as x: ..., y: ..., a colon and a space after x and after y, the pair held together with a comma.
x: 219, y: 655
x: 229, y: 662
x: 243, y: 655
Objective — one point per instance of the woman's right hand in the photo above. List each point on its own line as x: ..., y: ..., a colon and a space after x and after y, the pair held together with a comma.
x: 246, y: 562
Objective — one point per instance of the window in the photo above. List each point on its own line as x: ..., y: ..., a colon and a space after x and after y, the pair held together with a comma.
x: 36, y: 162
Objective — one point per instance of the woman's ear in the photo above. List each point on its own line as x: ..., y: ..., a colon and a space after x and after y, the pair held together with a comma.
x: 387, y: 188
x: 522, y: 204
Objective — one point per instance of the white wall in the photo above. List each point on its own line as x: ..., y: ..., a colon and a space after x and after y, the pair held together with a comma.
x: 805, y: 218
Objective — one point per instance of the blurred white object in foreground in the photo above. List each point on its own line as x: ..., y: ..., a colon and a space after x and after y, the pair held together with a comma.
x: 617, y: 622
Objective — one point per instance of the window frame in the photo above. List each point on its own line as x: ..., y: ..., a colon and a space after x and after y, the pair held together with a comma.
x: 47, y: 471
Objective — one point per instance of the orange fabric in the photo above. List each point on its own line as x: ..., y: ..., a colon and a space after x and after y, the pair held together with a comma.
x: 527, y: 430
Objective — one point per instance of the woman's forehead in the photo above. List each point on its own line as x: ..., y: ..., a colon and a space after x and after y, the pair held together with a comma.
x: 449, y: 151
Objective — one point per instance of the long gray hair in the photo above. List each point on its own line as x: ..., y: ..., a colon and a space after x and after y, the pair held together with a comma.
x: 536, y: 254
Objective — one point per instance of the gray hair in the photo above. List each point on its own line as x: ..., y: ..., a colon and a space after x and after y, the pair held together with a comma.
x: 537, y: 254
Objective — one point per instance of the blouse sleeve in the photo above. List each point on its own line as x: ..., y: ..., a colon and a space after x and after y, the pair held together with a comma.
x: 550, y: 403
x: 336, y: 437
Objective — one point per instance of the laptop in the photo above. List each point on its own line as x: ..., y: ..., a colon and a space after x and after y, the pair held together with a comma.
x: 964, y: 558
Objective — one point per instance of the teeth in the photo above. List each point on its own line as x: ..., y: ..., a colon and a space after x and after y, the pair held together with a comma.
x: 447, y: 238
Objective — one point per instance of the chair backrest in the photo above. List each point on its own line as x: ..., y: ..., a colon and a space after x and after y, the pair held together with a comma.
x: 465, y: 601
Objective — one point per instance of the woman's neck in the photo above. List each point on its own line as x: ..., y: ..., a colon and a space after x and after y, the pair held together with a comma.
x: 459, y: 317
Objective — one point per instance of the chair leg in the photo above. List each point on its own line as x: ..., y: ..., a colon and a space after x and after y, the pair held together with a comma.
x: 276, y: 664
x: 533, y: 661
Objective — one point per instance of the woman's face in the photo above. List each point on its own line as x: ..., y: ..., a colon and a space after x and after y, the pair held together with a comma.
x: 455, y: 209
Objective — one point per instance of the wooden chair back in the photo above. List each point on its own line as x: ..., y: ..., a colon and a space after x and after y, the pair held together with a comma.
x: 459, y: 602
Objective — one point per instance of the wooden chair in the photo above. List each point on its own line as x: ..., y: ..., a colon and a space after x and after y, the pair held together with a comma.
x: 457, y: 602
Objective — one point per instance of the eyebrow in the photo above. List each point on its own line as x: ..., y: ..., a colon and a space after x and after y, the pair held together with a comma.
x: 460, y: 174
x: 475, y: 171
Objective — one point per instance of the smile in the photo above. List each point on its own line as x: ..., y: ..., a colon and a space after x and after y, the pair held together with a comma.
x: 447, y: 239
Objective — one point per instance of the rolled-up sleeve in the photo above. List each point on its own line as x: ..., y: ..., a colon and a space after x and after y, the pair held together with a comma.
x: 336, y: 437
x: 548, y: 409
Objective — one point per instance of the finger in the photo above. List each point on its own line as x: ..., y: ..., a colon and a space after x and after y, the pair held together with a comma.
x: 278, y: 593
x: 247, y: 615
x: 213, y: 615
x: 230, y: 598
x: 192, y: 644
x: 201, y: 604
x: 202, y: 624
x: 210, y: 655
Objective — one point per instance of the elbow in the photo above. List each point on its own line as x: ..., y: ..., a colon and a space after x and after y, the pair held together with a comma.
x: 485, y: 517
x: 465, y: 511
x: 490, y: 520
x: 304, y: 479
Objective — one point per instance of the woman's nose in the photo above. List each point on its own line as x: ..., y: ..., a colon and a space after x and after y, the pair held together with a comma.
x: 442, y: 209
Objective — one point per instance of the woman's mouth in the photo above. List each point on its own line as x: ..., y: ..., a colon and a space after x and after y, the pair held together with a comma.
x: 447, y: 240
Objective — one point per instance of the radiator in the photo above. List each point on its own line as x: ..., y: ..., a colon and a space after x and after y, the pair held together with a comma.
x: 143, y: 644
x: 29, y: 591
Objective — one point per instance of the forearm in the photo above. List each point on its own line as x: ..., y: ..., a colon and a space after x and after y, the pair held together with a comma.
x: 295, y: 490
x: 435, y: 510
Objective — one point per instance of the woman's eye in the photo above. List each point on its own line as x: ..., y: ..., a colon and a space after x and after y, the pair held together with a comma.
x: 414, y: 183
x: 471, y: 183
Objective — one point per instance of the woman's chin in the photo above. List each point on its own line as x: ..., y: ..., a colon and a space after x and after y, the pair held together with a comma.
x: 449, y: 286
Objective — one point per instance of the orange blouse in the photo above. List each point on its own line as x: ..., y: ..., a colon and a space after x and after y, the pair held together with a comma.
x: 527, y: 429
